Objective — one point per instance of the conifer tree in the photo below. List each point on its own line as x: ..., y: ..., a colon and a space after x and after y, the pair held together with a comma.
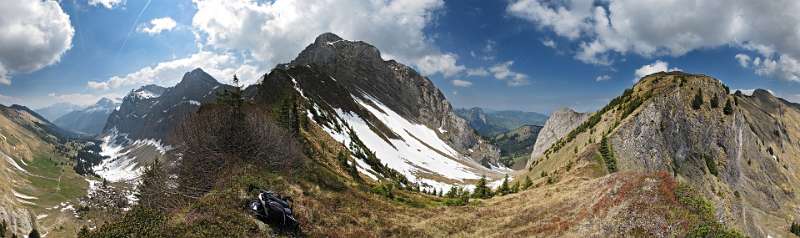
x: 3, y: 228
x: 34, y: 234
x: 728, y: 109
x: 698, y: 100
x: 714, y: 101
x: 481, y: 190
x: 453, y: 192
x: 504, y: 188
x: 527, y: 183
x: 515, y: 187
x: 84, y: 232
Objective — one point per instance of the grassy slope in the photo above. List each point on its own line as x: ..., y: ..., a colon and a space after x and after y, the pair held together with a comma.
x: 330, y: 203
x: 51, y: 180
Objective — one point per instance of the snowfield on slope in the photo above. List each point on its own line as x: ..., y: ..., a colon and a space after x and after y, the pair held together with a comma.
x: 122, y: 165
x: 419, y: 154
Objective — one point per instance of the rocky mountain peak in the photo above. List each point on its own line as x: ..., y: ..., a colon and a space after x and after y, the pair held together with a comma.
x: 329, y: 49
x: 105, y: 102
x: 762, y: 93
x: 197, y: 77
x: 561, y: 122
x: 326, y: 37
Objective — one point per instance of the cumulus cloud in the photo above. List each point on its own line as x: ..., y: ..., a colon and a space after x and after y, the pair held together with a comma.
x: 275, y: 31
x: 34, y: 34
x: 461, y: 83
x: 655, y: 67
x: 157, y: 25
x: 110, y: 4
x: 221, y: 66
x: 604, y: 77
x: 743, y: 59
x: 502, y: 71
x: 444, y: 64
x: 549, y: 43
x: 604, y: 29
x: 782, y: 66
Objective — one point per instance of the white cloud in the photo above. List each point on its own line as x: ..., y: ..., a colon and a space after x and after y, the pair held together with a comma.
x: 461, y: 83
x: 157, y: 25
x: 80, y: 99
x: 602, y: 78
x: 549, y: 43
x: 605, y: 29
x: 655, y: 67
x: 168, y: 73
x: 34, y: 34
x: 275, y: 31
x: 479, y: 72
x: 8, y: 100
x: 110, y: 4
x: 444, y: 64
x: 502, y: 71
x: 743, y: 59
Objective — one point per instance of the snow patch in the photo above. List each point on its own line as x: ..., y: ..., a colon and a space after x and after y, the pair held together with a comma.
x: 121, y: 166
x: 14, y: 163
x: 418, y: 152
x: 23, y: 196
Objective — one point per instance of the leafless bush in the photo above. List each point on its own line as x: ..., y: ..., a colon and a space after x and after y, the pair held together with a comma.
x: 217, y: 139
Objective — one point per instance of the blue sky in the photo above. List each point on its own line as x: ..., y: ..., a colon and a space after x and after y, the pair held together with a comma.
x: 522, y: 54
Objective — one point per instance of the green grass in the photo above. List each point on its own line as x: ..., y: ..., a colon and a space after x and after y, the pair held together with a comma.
x: 45, y: 183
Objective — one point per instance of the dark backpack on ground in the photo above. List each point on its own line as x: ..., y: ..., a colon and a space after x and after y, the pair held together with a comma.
x: 271, y: 208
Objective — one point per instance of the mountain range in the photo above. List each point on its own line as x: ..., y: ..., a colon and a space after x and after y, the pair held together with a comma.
x: 90, y: 120
x: 369, y: 147
x: 57, y: 110
x: 489, y: 123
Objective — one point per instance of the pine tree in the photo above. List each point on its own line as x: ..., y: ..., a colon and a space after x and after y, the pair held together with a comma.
x: 527, y: 183
x: 84, y: 232
x: 34, y: 234
x: 728, y: 109
x: 441, y: 192
x: 714, y: 101
x: 515, y: 187
x: 3, y: 228
x: 504, y: 188
x: 453, y: 192
x: 698, y: 100
x: 481, y: 190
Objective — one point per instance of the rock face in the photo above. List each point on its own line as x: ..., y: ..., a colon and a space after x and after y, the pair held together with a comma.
x: 90, y: 120
x: 561, y: 122
x: 151, y: 112
x: 740, y: 151
x: 359, y: 68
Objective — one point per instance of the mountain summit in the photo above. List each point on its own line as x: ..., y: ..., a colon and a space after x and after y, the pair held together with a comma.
x: 397, y: 113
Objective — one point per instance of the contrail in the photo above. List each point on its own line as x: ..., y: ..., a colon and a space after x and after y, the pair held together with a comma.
x: 134, y: 26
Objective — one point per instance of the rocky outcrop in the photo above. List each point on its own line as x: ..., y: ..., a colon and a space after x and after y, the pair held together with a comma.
x: 561, y: 122
x: 739, y: 151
